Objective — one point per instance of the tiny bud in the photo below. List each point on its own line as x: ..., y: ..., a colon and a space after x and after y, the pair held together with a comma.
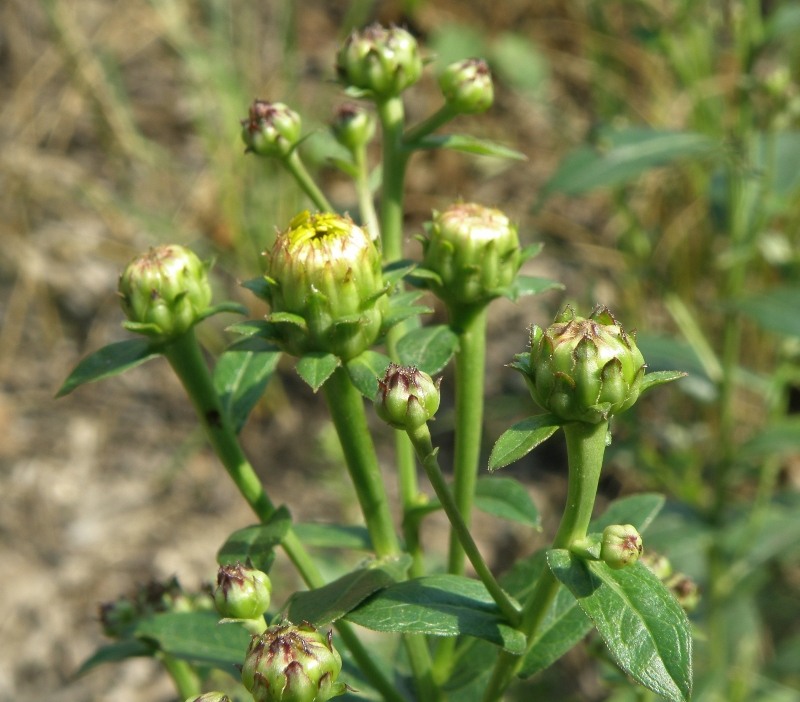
x: 407, y: 397
x: 685, y: 590
x: 353, y: 127
x: 242, y: 592
x: 271, y: 129
x: 383, y: 62
x: 621, y: 546
x: 467, y: 86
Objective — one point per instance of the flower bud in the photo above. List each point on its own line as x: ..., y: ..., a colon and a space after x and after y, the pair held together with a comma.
x: 271, y: 129
x: 353, y: 127
x: 467, y: 86
x: 326, y: 287
x: 380, y: 61
x: 474, y: 252
x: 407, y: 397
x: 242, y: 592
x: 292, y: 664
x: 685, y: 590
x: 584, y: 369
x: 621, y: 546
x: 165, y: 291
x: 210, y: 697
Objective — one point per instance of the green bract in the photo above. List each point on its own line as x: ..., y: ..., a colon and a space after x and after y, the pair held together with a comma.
x: 621, y: 546
x: 164, y: 292
x: 473, y: 251
x: 242, y: 592
x: 584, y: 369
x: 383, y: 62
x: 467, y: 86
x: 292, y: 664
x: 325, y: 287
x: 407, y: 397
x: 210, y: 697
x: 271, y: 129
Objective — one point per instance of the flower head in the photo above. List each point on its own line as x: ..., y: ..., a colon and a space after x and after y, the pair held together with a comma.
x: 467, y: 86
x: 271, y: 129
x: 242, y: 592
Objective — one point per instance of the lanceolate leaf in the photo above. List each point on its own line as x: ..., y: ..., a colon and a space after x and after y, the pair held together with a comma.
x: 508, y: 499
x: 240, y: 378
x: 428, y: 348
x: 530, y: 285
x: 334, y: 536
x: 644, y: 627
x: 639, y: 510
x: 256, y: 543
x: 469, y: 144
x: 438, y: 605
x: 365, y: 369
x: 650, y: 380
x: 115, y: 653
x: 521, y: 439
x: 109, y: 361
x: 316, y: 368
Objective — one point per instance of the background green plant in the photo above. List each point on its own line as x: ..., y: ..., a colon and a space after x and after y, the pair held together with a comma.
x: 688, y: 225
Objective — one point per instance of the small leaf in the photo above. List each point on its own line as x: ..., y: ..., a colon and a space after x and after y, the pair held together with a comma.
x: 252, y: 327
x: 334, y: 536
x: 116, y: 653
x: 530, y: 285
x: 256, y: 543
x: 259, y: 287
x: 365, y: 369
x: 644, y: 627
x: 468, y: 144
x: 639, y: 510
x: 334, y: 600
x: 287, y: 318
x: 428, y: 348
x: 530, y: 251
x: 240, y: 378
x: 109, y: 361
x: 650, y: 380
x: 438, y: 605
x: 394, y: 272
x: 522, y: 438
x: 196, y: 637
x: 316, y: 368
x: 508, y: 499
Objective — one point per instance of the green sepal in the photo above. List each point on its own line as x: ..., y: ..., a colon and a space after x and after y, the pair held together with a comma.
x: 522, y: 438
x: 287, y: 318
x: 521, y: 363
x: 334, y: 600
x: 364, y: 371
x: 316, y: 367
x: 260, y: 287
x: 467, y: 144
x: 421, y: 275
x: 256, y: 543
x: 252, y: 327
x: 109, y: 361
x: 650, y: 380
x: 394, y: 272
x: 528, y: 285
x: 143, y: 328
x: 645, y: 629
x: 530, y: 251
x: 428, y: 348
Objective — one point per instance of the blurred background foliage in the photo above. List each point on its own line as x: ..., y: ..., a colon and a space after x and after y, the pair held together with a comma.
x: 663, y: 143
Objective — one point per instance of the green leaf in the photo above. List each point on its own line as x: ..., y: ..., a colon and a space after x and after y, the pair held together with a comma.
x: 365, y: 369
x: 506, y: 498
x: 334, y: 536
x: 530, y: 285
x: 240, y: 378
x: 252, y: 327
x: 468, y: 144
x: 521, y: 439
x: 775, y: 310
x: 197, y: 637
x: 779, y: 438
x: 472, y: 671
x: 639, y: 510
x: 428, y: 348
x: 256, y: 543
x: 394, y: 272
x: 334, y: 600
x: 116, y: 653
x: 109, y: 361
x: 259, y: 287
x: 519, y: 62
x: 316, y: 368
x: 438, y: 605
x: 644, y: 627
x: 650, y: 380
x: 620, y: 156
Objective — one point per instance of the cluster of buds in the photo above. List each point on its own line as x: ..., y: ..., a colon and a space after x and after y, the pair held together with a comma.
x: 583, y: 369
x: 473, y: 252
x: 382, y: 62
x: 292, y: 664
x: 407, y: 397
x: 271, y: 129
x: 242, y: 592
x: 325, y: 287
x: 165, y: 292
x: 467, y: 86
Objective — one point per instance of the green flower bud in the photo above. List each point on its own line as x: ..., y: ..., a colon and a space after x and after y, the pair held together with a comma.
x: 407, y: 397
x: 242, y: 592
x: 210, y: 697
x: 271, y: 129
x: 326, y: 287
x: 165, y: 291
x: 292, y: 664
x: 685, y: 590
x: 353, y: 127
x: 584, y: 369
x: 382, y: 62
x: 467, y: 86
x: 621, y: 546
x: 474, y: 252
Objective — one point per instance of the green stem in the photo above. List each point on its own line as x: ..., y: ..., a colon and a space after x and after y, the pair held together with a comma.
x: 294, y: 165
x: 586, y: 445
x: 421, y: 440
x: 365, y: 202
x: 394, y: 160
x: 419, y: 131
x: 470, y: 324
x: 186, y: 359
x: 184, y: 677
x: 347, y: 411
